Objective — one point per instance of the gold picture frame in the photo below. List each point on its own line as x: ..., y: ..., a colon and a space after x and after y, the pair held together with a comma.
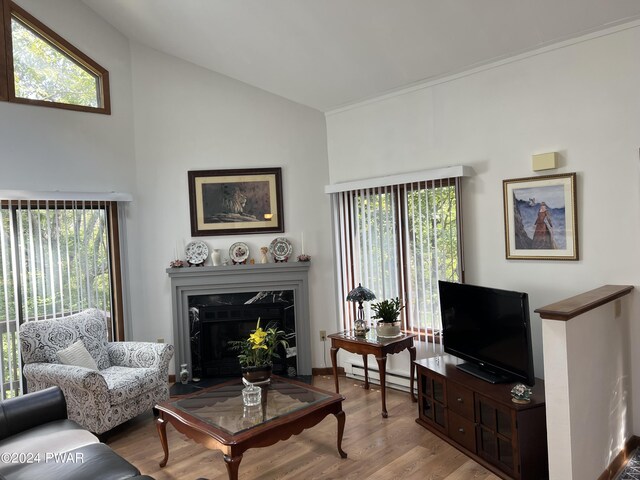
x: 236, y: 201
x: 540, y: 218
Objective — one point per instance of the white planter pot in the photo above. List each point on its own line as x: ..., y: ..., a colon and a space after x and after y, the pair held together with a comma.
x: 389, y: 330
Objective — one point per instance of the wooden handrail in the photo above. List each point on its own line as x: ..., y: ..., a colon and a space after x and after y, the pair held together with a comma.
x: 572, y: 307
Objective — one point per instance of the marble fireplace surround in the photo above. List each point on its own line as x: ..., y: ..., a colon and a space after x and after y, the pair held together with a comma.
x: 193, y: 281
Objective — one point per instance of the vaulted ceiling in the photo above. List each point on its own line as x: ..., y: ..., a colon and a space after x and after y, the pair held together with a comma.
x: 328, y: 53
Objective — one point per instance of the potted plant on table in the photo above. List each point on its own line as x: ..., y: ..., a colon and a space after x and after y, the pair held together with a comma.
x: 258, y: 350
x: 388, y: 311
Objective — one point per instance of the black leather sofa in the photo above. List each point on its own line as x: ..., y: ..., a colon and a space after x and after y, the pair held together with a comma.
x: 38, y: 441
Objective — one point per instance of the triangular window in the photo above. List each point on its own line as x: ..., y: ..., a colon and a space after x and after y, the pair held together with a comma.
x: 42, y: 72
x: 44, y: 69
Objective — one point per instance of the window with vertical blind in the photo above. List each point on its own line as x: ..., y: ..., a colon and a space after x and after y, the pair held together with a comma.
x: 398, y: 240
x: 56, y: 258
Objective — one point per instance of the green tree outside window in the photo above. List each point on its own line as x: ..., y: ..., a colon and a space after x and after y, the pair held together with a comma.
x: 43, y: 72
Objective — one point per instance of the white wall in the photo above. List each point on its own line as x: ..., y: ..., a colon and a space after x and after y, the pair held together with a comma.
x: 593, y: 387
x: 54, y: 149
x: 580, y: 100
x: 189, y: 118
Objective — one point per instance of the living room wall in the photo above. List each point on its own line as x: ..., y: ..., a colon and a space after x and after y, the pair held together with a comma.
x: 579, y: 99
x: 190, y: 118
x: 52, y: 149
x: 186, y: 118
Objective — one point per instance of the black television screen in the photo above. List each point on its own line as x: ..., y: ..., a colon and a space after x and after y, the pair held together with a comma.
x: 489, y: 328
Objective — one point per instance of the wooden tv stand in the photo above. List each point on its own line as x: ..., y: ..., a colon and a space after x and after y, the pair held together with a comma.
x: 480, y: 420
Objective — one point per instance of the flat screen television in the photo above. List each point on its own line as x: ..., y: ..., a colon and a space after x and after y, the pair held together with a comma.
x: 489, y: 328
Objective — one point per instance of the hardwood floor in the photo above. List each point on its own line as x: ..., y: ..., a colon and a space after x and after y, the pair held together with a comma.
x: 378, y: 449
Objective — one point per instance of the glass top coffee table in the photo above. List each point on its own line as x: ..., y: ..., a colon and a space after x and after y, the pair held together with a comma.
x: 217, y: 418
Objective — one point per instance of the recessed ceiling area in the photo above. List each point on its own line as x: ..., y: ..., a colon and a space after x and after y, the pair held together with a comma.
x: 330, y: 53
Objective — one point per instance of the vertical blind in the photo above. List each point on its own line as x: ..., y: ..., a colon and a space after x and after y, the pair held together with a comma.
x: 398, y: 241
x: 54, y: 261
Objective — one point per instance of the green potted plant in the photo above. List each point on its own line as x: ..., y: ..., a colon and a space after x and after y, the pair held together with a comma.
x: 388, y: 311
x: 258, y: 350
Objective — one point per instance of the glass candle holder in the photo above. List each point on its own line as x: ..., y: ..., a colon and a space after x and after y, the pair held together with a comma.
x: 251, y: 395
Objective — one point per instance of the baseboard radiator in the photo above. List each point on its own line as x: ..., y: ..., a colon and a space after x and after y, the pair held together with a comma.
x: 393, y: 380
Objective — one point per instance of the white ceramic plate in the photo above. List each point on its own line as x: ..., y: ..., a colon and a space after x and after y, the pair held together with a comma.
x: 196, y: 252
x: 280, y: 248
x: 239, y: 252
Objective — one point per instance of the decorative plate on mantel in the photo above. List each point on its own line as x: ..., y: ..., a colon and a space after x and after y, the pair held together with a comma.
x: 239, y: 252
x: 196, y: 252
x: 281, y: 249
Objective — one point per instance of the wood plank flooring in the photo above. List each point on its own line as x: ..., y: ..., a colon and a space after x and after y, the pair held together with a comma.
x: 377, y: 448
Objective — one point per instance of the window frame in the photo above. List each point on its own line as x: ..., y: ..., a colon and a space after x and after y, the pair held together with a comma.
x: 7, y: 81
x: 4, y: 78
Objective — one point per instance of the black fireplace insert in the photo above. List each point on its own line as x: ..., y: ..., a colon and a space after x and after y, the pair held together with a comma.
x: 217, y: 319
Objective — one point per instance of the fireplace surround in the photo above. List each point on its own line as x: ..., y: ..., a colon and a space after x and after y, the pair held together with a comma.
x: 191, y: 282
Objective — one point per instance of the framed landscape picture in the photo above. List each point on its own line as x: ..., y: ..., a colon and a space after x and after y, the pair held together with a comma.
x: 228, y: 202
x: 540, y: 218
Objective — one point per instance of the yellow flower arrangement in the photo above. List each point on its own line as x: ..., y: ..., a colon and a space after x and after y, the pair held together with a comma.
x: 260, y: 348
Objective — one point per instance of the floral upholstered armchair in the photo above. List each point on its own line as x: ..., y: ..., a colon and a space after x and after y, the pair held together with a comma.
x: 124, y: 379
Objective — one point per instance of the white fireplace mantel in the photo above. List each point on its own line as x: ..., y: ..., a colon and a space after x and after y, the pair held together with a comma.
x: 192, y: 281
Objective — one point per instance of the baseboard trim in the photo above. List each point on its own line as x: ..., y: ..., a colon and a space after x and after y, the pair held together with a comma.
x: 621, y: 459
x: 327, y: 371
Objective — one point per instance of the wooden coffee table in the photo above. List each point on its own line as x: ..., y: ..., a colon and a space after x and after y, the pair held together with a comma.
x: 379, y: 347
x: 217, y: 418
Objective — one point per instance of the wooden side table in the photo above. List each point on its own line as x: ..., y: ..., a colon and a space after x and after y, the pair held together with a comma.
x: 380, y: 348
